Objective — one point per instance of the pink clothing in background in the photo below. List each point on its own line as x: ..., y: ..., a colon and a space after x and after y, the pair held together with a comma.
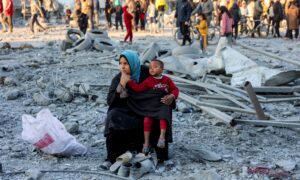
x: 226, y: 24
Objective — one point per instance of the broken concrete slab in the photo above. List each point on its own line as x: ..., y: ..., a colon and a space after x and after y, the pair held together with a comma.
x: 287, y: 165
x: 41, y: 100
x: 12, y: 94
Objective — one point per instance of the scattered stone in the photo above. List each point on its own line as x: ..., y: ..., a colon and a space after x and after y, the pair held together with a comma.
x: 41, y: 99
x: 287, y: 165
x: 84, y: 88
x: 26, y: 46
x: 17, y: 148
x: 27, y: 102
x: 200, y: 154
x: 63, y: 95
x: 13, y: 95
x: 5, y: 45
x: 33, y: 174
x: 9, y: 81
x: 72, y: 127
x: 205, y: 175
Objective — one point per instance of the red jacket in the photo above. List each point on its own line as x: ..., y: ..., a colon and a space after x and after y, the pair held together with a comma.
x: 164, y: 84
x: 9, y: 8
x: 127, y: 16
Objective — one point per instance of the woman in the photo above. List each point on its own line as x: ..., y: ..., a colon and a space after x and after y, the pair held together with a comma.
x: 124, y: 127
x: 226, y: 24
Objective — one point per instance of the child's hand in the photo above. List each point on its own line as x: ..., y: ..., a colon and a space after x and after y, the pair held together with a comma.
x: 168, y: 99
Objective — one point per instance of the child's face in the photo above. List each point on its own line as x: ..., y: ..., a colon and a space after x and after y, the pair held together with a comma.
x: 155, y: 69
x: 201, y: 18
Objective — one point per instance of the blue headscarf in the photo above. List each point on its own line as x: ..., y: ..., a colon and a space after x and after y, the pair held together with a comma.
x: 134, y: 63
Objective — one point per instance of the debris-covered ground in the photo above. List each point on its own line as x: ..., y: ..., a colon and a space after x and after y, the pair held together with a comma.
x: 35, y: 74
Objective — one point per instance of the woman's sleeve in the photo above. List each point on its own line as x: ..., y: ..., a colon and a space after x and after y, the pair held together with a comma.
x: 113, y: 95
x: 223, y: 24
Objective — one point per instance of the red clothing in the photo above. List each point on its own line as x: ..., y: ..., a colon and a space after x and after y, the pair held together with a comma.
x: 128, y: 24
x: 127, y: 16
x: 9, y: 8
x: 164, y: 84
x: 1, y: 7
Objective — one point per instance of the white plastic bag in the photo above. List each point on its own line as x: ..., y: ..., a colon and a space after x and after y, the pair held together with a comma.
x: 48, y: 134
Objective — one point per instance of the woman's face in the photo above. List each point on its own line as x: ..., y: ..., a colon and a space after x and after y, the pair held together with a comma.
x: 124, y: 66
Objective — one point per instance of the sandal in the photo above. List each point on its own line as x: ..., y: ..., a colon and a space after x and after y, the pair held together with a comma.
x: 161, y: 143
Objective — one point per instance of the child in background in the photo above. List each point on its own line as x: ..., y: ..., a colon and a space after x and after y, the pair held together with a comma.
x: 128, y: 17
x: 203, y: 30
x: 82, y: 21
x: 159, y: 82
x: 151, y: 15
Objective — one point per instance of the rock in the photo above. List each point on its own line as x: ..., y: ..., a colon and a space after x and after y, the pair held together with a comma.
x: 41, y: 100
x: 5, y: 45
x: 13, y: 95
x: 9, y: 81
x: 204, y: 175
x: 33, y: 174
x: 287, y: 165
x: 27, y: 102
x: 26, y: 46
x: 201, y: 154
x: 181, y: 106
x: 72, y: 127
x: 42, y: 82
x: 63, y: 95
x: 84, y: 88
x: 17, y: 148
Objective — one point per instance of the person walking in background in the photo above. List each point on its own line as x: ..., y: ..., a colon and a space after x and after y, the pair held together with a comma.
x: 278, y: 16
x: 244, y: 15
x: 8, y: 11
x: 96, y: 4
x: 271, y: 18
x: 226, y: 24
x: 293, y: 20
x: 137, y: 13
x: 82, y: 21
x: 2, y: 17
x: 203, y: 30
x: 251, y: 9
x: 183, y: 14
x: 161, y: 6
x: 108, y: 12
x: 258, y: 10
x: 87, y: 8
x: 151, y: 16
x: 118, y: 17
x: 143, y: 14
x: 207, y: 10
x: 128, y: 18
x: 236, y: 15
x: 35, y: 9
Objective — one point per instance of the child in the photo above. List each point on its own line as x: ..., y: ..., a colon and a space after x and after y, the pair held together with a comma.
x: 159, y: 82
x: 128, y: 16
x: 82, y: 21
x: 151, y: 15
x: 203, y: 29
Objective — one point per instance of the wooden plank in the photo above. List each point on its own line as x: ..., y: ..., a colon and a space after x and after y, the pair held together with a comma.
x: 270, y: 55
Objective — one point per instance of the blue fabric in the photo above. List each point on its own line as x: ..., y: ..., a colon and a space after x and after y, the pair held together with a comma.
x: 134, y: 63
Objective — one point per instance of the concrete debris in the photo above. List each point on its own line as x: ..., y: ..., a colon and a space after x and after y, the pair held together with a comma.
x: 287, y: 165
x: 13, y: 94
x: 41, y: 99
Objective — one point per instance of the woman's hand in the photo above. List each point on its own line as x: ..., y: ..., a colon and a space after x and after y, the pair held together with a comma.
x: 124, y: 79
x: 168, y: 99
